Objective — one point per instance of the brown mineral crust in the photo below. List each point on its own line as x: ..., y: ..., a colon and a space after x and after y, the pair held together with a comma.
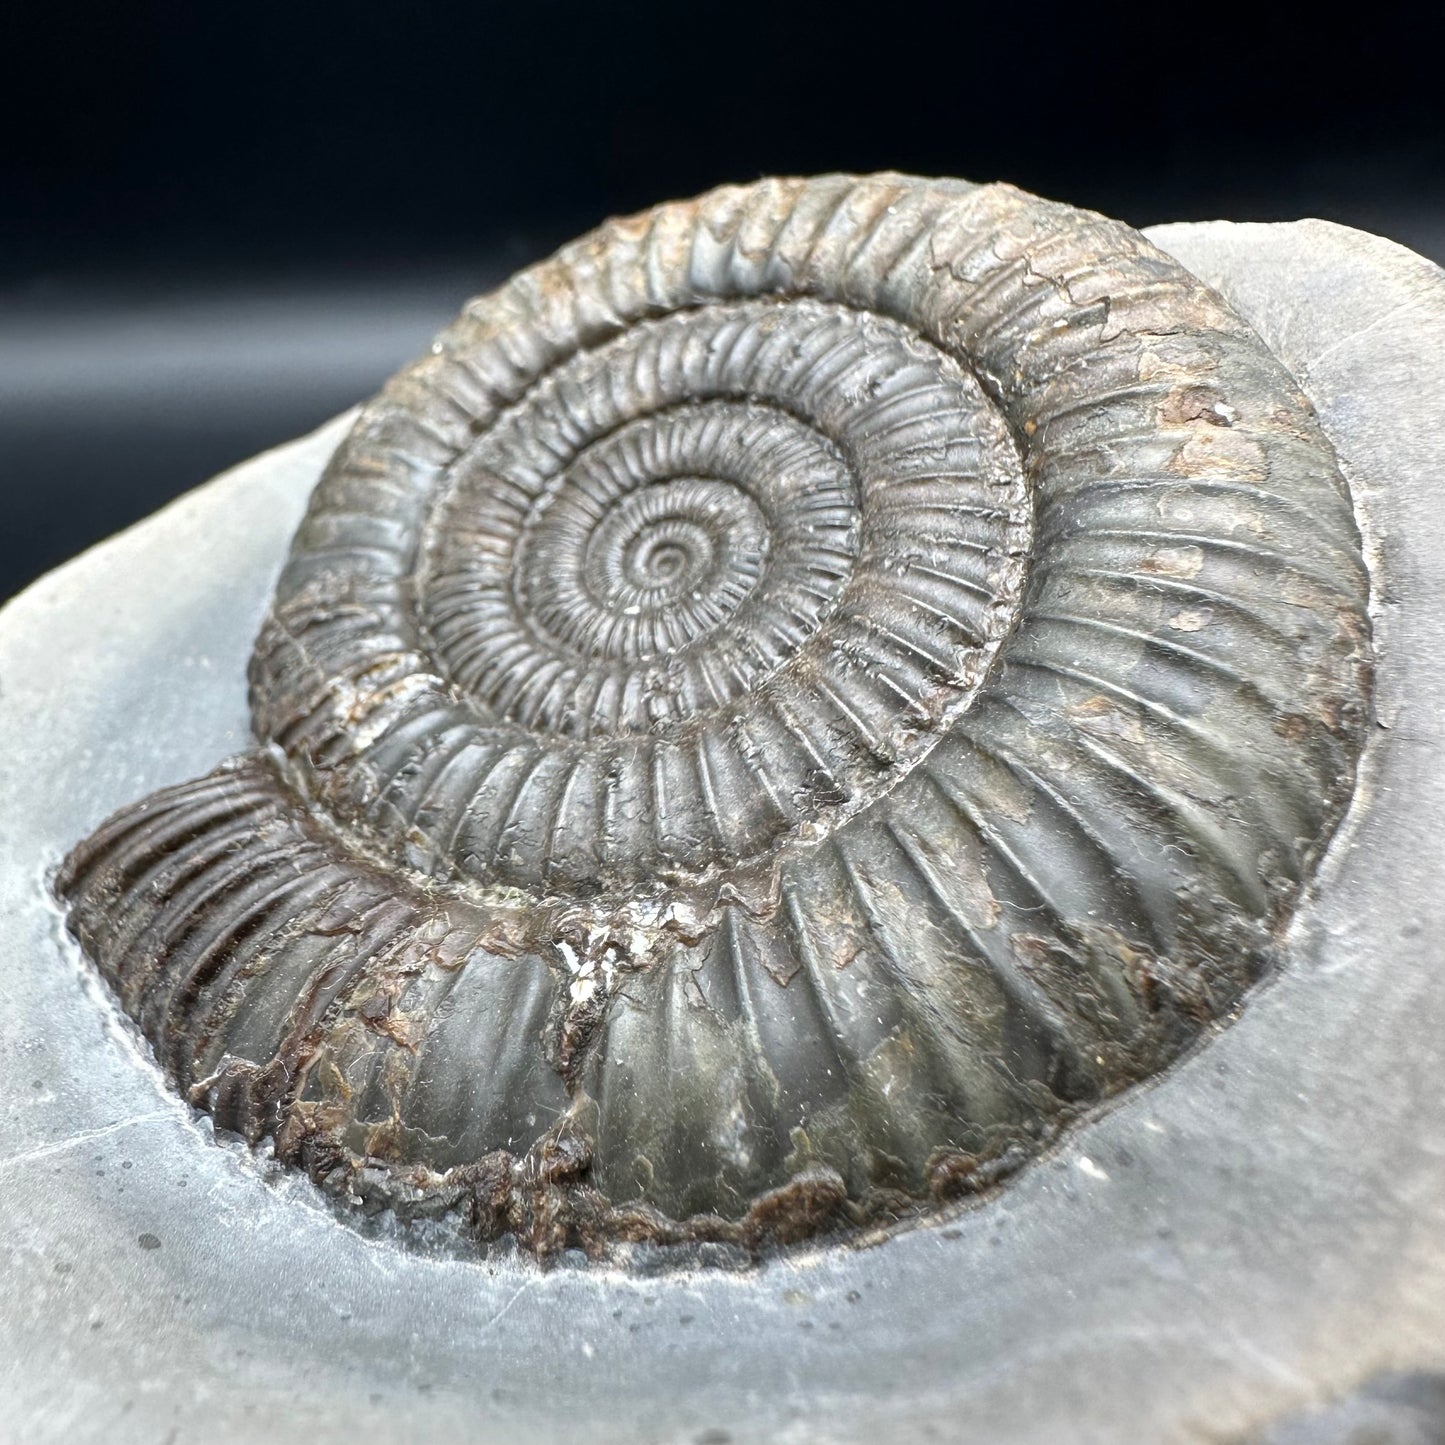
x: 807, y: 1204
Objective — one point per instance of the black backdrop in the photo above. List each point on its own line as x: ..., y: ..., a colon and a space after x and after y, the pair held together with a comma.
x: 220, y: 223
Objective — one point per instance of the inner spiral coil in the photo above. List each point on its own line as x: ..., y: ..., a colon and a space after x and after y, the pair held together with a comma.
x: 848, y: 517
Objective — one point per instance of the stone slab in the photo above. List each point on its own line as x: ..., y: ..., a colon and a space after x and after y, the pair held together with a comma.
x: 1222, y: 1257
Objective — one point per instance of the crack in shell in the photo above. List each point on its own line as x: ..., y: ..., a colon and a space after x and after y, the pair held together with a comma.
x: 793, y: 701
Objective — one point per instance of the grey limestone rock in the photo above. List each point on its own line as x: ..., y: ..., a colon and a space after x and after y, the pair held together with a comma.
x: 1250, y: 1237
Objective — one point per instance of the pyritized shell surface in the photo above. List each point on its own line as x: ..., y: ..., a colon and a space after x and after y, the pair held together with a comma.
x: 795, y: 699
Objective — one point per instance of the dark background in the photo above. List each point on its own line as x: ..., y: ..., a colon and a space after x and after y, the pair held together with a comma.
x: 220, y: 224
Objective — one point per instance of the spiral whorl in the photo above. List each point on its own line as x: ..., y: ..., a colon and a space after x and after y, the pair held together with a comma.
x: 792, y: 699
x: 844, y: 518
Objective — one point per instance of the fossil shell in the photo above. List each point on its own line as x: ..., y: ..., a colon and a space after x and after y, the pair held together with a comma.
x: 794, y: 700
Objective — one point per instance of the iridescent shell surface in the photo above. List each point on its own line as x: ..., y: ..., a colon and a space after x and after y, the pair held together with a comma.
x: 794, y: 700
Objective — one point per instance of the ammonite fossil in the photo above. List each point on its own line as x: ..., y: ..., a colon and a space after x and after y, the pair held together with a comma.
x: 794, y: 700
